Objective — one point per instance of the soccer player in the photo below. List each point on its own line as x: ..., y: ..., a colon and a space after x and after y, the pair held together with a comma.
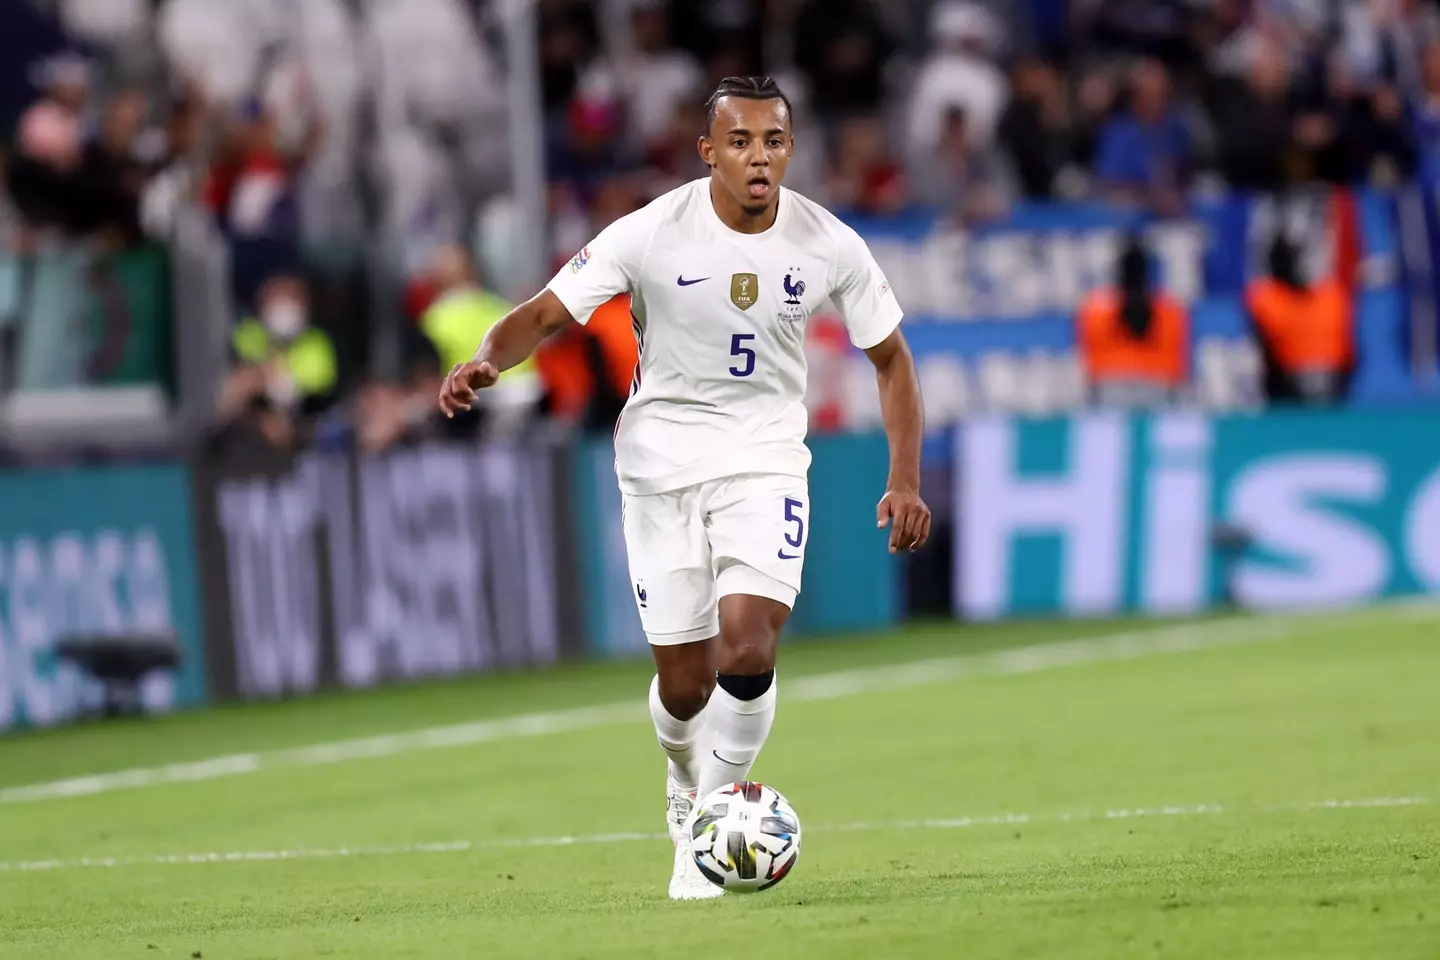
x: 710, y: 450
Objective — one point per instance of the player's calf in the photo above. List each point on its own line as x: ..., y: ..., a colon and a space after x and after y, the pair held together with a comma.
x: 685, y: 675
x: 742, y: 706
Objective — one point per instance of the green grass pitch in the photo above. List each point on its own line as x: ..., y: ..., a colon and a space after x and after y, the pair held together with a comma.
x: 1235, y: 788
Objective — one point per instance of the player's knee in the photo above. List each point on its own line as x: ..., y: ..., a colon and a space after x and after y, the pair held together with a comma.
x: 684, y: 696
x: 751, y: 653
x: 748, y: 660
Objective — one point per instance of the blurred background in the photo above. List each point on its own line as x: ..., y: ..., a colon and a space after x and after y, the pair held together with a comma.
x: 1168, y: 268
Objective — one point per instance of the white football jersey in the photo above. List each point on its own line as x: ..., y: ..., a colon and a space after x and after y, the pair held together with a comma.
x: 720, y: 320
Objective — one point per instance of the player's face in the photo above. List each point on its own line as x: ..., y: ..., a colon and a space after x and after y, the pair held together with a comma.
x: 749, y: 147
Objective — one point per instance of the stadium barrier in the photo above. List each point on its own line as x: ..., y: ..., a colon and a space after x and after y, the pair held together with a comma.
x: 94, y: 551
x: 339, y: 569
x: 851, y: 582
x: 282, y: 574
x: 1178, y: 512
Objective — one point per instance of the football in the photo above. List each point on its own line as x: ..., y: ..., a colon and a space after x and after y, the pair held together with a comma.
x: 745, y: 837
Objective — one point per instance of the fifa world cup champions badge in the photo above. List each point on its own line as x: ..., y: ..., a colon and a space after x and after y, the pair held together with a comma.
x: 743, y: 287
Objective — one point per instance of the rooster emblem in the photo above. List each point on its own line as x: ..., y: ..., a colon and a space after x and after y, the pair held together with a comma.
x: 794, y: 290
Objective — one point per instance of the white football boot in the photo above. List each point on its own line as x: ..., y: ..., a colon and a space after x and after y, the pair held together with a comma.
x: 686, y: 881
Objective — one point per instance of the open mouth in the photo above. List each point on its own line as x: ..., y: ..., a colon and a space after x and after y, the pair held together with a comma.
x: 759, y: 186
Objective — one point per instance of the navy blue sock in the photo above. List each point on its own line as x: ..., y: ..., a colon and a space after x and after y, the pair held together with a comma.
x: 746, y: 688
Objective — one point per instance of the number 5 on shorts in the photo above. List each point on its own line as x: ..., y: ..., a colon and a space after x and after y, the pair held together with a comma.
x: 791, y: 516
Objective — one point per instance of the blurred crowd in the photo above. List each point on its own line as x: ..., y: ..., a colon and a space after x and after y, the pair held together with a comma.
x: 973, y: 105
x: 376, y: 131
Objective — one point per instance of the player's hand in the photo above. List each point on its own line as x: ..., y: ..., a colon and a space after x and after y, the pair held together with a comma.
x: 908, y: 518
x: 458, y: 391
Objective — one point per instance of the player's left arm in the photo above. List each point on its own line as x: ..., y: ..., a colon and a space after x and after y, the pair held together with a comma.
x: 904, y: 415
x: 872, y: 316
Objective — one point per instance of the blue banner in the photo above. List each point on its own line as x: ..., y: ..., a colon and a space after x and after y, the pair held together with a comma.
x: 851, y: 582
x: 990, y: 311
x: 93, y: 551
x: 1171, y: 514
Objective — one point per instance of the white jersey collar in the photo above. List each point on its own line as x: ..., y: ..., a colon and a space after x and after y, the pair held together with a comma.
x: 775, y: 229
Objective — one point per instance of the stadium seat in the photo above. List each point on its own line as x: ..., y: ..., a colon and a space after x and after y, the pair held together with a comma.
x: 436, y: 74
x: 107, y: 22
x: 431, y: 59
x: 422, y: 208
x: 214, y: 42
x: 328, y: 45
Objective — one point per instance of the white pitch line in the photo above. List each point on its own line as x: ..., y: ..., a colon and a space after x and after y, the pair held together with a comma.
x: 845, y: 683
x: 466, y: 846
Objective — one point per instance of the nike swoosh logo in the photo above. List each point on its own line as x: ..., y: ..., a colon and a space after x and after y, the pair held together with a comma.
x: 788, y: 556
x: 717, y: 756
x: 685, y: 283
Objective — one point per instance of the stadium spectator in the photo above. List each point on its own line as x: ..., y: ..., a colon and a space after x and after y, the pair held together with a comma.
x: 728, y: 57
x: 1358, y: 135
x: 179, y: 175
x: 614, y: 199
x: 970, y: 185
x: 1039, y: 131
x: 672, y: 156
x: 1381, y: 40
x: 587, y: 370
x: 1258, y: 126
x: 380, y: 416
x: 842, y: 48
x: 729, y: 37
x: 253, y: 192
x: 1305, y: 331
x: 863, y: 176
x: 1096, y: 101
x: 960, y: 73
x: 1296, y: 28
x: 44, y: 170
x: 584, y: 151
x: 1134, y: 339
x: 297, y: 359
x: 284, y: 371
x: 387, y: 411
x: 113, y: 170
x: 1144, y: 155
x: 652, y: 79
x: 458, y: 320
x: 1157, y: 28
x: 1049, y: 27
x: 567, y: 41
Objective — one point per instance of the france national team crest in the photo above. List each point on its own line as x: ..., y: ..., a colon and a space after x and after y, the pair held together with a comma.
x: 793, y: 309
x: 580, y: 259
x: 744, y: 288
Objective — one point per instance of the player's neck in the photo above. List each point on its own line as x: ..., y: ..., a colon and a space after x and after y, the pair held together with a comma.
x: 739, y: 219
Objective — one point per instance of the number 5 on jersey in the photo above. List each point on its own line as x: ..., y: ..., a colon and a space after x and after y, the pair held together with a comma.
x: 738, y: 349
x: 797, y: 538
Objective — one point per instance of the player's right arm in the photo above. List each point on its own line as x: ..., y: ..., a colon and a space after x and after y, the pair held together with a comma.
x: 507, y: 344
x: 606, y: 267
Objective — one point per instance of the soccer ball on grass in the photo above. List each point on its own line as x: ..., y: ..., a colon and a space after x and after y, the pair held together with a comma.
x: 745, y: 837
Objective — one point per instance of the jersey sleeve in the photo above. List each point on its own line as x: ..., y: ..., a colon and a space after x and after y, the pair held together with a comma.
x: 862, y: 294
x: 606, y: 266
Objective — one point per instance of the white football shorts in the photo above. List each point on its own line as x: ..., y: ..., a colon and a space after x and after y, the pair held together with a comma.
x: 690, y: 547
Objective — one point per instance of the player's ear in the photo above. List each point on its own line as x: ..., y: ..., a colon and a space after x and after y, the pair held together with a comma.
x: 706, y: 150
